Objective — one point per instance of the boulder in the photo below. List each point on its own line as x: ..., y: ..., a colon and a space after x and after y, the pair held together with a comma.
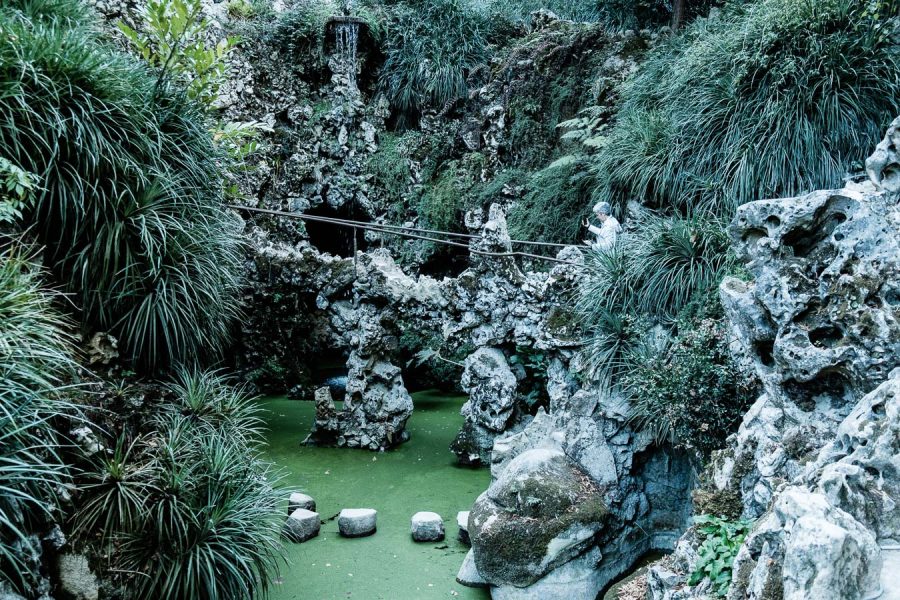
x: 541, y: 512
x: 300, y: 500
x: 76, y: 580
x: 301, y: 525
x: 357, y: 522
x: 427, y: 527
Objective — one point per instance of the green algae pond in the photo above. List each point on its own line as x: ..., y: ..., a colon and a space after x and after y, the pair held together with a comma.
x: 420, y: 475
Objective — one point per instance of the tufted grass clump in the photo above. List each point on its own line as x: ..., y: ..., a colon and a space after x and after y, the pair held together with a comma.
x: 190, y: 506
x: 127, y: 201
x: 770, y: 99
x: 35, y: 363
x: 428, y: 60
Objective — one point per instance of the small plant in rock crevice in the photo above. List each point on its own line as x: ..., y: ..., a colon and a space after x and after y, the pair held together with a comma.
x: 721, y: 541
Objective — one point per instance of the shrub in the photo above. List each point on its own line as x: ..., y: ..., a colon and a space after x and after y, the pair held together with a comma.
x: 555, y: 203
x: 691, y: 394
x: 34, y: 363
x: 657, y: 267
x: 770, y: 99
x: 128, y: 200
x: 190, y: 507
x: 428, y: 59
x: 173, y: 41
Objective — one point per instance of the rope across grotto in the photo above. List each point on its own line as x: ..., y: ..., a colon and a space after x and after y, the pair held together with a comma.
x: 406, y: 232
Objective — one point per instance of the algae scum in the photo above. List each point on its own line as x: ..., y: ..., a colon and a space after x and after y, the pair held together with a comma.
x: 419, y: 475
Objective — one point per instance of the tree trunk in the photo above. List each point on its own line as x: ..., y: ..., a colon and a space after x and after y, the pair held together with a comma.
x: 677, y: 14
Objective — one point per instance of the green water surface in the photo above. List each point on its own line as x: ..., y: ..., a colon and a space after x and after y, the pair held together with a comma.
x: 418, y: 476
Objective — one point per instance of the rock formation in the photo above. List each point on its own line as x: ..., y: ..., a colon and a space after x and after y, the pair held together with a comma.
x: 815, y: 462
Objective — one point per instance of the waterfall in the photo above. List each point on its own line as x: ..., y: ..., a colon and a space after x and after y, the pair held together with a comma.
x: 346, y: 39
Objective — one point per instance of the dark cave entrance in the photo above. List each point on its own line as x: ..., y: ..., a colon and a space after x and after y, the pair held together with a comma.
x: 335, y: 239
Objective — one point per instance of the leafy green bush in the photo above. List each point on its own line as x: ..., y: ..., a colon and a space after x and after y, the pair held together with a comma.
x: 128, y: 199
x: 190, y: 506
x: 428, y: 59
x: 34, y: 364
x: 770, y: 99
x: 173, y: 40
x: 691, y: 394
x: 16, y: 191
x: 556, y: 201
x: 722, y: 540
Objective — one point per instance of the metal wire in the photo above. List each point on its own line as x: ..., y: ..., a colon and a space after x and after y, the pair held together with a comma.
x: 402, y: 231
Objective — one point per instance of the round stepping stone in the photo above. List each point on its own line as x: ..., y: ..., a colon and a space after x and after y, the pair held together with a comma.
x: 302, y: 525
x: 357, y: 522
x: 427, y: 527
x: 462, y: 522
x: 300, y: 500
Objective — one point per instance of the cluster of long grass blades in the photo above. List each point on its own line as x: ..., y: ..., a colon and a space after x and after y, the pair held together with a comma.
x: 189, y: 508
x: 35, y: 362
x: 128, y: 204
x: 770, y: 99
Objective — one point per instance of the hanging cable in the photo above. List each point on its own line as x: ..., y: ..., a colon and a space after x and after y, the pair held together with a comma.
x: 401, y: 231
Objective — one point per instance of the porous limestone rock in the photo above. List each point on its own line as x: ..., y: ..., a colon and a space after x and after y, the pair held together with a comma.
x: 807, y: 548
x: 491, y: 386
x: 883, y: 166
x: 301, y: 525
x: 357, y: 522
x: 427, y: 527
x: 815, y: 460
x: 76, y: 580
x: 821, y: 321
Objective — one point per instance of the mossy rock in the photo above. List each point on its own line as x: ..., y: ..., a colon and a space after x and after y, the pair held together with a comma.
x: 540, y: 513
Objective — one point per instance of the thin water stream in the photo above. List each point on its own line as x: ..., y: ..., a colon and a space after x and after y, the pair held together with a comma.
x: 419, y: 475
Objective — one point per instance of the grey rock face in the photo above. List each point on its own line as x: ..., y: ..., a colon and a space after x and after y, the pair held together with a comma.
x: 357, y: 522
x: 76, y: 580
x: 302, y: 525
x: 491, y: 386
x: 427, y: 527
x: 883, y: 167
x: 807, y: 548
x: 821, y: 322
x: 816, y: 458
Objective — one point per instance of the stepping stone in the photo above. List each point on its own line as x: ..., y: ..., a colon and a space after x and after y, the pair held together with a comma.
x: 462, y: 522
x: 357, y: 522
x: 301, y: 525
x: 299, y: 500
x: 427, y: 527
x: 468, y: 573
